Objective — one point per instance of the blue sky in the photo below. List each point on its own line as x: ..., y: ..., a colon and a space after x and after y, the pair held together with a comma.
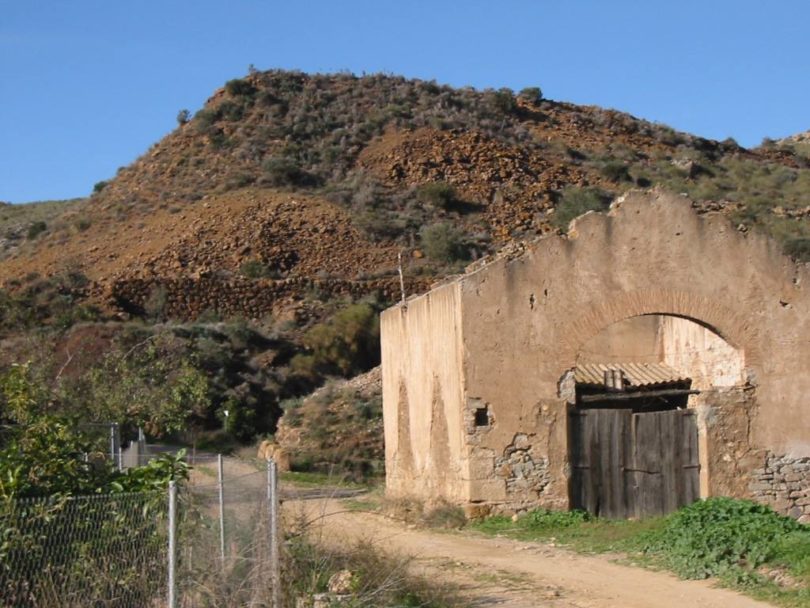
x: 87, y: 86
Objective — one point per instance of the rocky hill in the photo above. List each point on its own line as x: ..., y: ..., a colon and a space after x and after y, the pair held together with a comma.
x: 285, y: 181
x: 289, y: 196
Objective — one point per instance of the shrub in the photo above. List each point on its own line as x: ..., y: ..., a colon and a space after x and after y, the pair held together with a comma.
x: 503, y: 100
x: 438, y: 194
x: 35, y: 229
x: 238, y: 180
x: 616, y: 171
x: 576, y: 201
x: 444, y: 243
x: 542, y: 519
x: 99, y: 186
x: 239, y: 87
x: 253, y: 269
x: 531, y: 94
x: 240, y: 420
x: 205, y: 118
x: 374, y: 577
x: 231, y: 111
x: 444, y: 515
x: 348, y: 343
x: 721, y: 536
x: 183, y: 116
x: 798, y: 248
x: 284, y: 171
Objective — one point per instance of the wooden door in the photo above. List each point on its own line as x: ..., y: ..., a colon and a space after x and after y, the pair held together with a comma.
x: 663, y: 470
x: 633, y: 465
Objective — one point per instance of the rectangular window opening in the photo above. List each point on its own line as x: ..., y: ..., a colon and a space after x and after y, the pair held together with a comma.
x: 482, y: 416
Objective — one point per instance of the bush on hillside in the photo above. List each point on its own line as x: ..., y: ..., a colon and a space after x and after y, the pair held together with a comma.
x: 616, y: 171
x: 502, y: 100
x: 798, y: 248
x: 346, y: 344
x: 35, y: 229
x: 253, y: 269
x: 239, y: 87
x: 443, y: 243
x: 576, y: 201
x: 284, y: 171
x: 438, y: 194
x: 531, y: 94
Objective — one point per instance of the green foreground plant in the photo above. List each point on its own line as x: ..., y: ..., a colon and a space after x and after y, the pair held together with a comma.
x: 747, y: 546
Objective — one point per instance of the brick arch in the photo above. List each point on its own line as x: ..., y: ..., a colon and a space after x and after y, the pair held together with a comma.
x: 592, y: 318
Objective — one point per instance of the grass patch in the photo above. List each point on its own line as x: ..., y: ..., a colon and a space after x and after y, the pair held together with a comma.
x: 361, y: 505
x: 315, y: 479
x: 745, y: 545
x: 574, y: 529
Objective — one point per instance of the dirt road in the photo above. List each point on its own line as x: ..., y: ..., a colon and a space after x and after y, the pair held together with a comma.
x: 512, y: 574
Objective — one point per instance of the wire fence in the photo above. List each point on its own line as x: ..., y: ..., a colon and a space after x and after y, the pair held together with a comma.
x: 211, y: 542
x: 228, y: 550
x: 84, y: 551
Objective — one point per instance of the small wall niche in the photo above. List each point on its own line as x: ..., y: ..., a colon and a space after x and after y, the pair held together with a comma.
x: 482, y: 416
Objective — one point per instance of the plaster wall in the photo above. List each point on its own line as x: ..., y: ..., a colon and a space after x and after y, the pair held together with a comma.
x: 517, y: 325
x: 700, y: 354
x: 636, y: 339
x: 423, y: 397
x: 651, y: 254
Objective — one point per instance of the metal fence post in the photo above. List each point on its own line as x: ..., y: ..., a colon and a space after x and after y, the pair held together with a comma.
x: 221, y: 483
x: 113, y: 450
x: 172, y: 599
x: 272, y: 510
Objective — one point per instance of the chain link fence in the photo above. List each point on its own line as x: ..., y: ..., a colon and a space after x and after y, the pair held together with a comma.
x: 227, y: 549
x: 106, y: 550
x: 211, y: 542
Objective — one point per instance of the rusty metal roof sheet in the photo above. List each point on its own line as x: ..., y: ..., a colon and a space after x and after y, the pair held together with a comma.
x: 637, y: 374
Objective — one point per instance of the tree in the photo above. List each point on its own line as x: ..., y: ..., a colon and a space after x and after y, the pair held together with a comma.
x: 531, y: 94
x: 151, y: 385
x: 346, y: 344
x: 21, y: 398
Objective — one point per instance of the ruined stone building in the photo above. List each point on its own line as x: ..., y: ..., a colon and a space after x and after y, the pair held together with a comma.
x: 651, y: 357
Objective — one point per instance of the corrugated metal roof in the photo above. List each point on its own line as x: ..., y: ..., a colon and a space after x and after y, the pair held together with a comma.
x: 637, y: 374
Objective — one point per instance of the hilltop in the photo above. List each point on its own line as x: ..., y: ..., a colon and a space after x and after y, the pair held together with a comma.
x: 283, y: 175
x: 288, y: 197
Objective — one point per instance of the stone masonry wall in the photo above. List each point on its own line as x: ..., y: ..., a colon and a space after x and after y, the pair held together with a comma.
x: 525, y: 473
x: 187, y: 298
x: 784, y: 484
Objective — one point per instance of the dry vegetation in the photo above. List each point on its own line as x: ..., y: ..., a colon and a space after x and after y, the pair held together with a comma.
x: 308, y: 187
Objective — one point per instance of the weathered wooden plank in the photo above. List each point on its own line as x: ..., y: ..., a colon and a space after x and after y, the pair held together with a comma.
x: 579, y: 465
x: 647, y: 465
x: 691, y: 461
x: 620, y: 428
x: 678, y: 459
x: 593, y: 488
x: 606, y: 506
x: 669, y: 464
x: 631, y: 476
x: 667, y: 392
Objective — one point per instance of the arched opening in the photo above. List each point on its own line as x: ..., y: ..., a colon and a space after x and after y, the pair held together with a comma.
x: 640, y: 406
